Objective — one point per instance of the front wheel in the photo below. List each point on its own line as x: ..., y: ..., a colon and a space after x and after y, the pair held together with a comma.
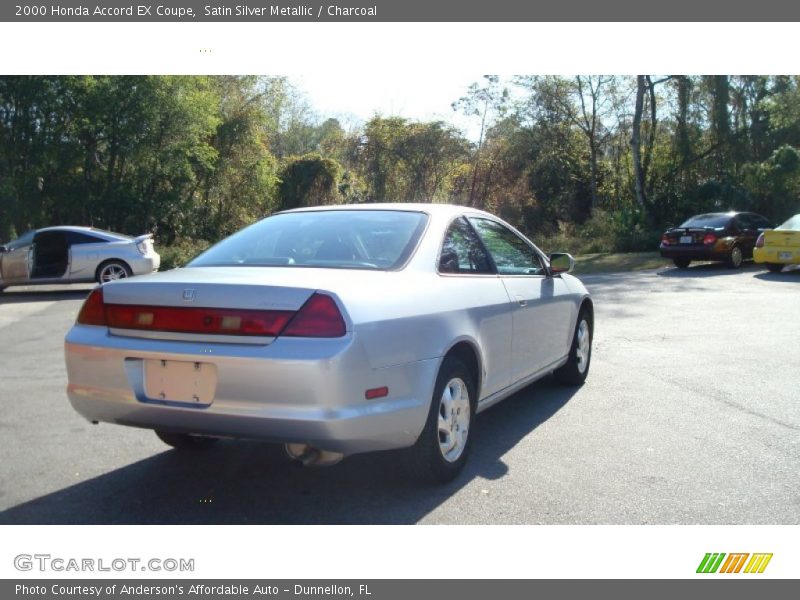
x: 112, y: 270
x: 576, y: 368
x: 774, y: 267
x: 185, y: 441
x: 443, y: 446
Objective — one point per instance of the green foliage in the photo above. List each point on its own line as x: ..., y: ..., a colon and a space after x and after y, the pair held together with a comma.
x: 179, y: 252
x: 602, y: 232
x: 197, y: 158
x: 405, y: 161
x: 309, y: 180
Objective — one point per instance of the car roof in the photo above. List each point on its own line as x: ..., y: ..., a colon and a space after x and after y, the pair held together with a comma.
x: 101, y: 233
x: 430, y: 208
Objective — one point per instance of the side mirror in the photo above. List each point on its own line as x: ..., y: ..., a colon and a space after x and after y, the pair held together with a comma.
x: 561, y: 263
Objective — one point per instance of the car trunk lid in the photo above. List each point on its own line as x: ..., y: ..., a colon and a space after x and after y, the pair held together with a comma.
x: 688, y: 235
x: 203, y: 305
x: 782, y: 237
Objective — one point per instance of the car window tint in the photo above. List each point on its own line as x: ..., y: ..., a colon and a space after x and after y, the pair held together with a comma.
x: 77, y: 237
x: 761, y: 222
x: 343, y: 239
x: 708, y: 220
x: 748, y: 222
x: 462, y: 251
x: 511, y: 254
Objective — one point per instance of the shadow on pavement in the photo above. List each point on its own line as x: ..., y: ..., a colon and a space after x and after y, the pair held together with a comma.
x: 708, y: 270
x: 788, y: 275
x: 31, y: 294
x: 248, y: 482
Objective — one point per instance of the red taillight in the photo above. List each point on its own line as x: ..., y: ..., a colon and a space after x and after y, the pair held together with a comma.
x: 318, y: 317
x: 760, y: 241
x: 665, y: 239
x: 216, y: 321
x: 709, y: 238
x: 93, y: 311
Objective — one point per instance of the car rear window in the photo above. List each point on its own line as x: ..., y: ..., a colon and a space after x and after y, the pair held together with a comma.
x: 793, y: 224
x: 343, y: 239
x: 708, y: 220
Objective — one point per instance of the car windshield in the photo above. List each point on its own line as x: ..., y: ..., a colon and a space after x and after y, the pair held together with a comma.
x: 24, y: 240
x: 345, y: 239
x: 793, y: 224
x: 708, y: 220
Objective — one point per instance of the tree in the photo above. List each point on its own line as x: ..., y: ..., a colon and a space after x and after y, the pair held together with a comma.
x: 309, y: 180
x: 486, y: 103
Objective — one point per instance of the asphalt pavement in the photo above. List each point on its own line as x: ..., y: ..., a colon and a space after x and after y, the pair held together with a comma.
x: 690, y: 415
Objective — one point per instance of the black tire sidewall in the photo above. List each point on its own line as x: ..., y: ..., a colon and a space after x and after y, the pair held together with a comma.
x: 569, y: 374
x: 425, y: 457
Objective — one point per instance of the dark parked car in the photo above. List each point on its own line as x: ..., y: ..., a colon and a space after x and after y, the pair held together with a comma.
x: 728, y: 237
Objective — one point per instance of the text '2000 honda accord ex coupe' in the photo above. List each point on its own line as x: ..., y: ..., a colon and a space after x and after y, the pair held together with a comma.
x: 335, y: 330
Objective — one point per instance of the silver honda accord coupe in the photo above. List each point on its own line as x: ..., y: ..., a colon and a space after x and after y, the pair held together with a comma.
x: 68, y: 254
x: 335, y: 330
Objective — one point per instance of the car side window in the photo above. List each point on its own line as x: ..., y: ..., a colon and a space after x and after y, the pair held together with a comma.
x: 76, y: 237
x: 760, y: 222
x: 511, y: 254
x: 462, y: 251
x: 745, y: 223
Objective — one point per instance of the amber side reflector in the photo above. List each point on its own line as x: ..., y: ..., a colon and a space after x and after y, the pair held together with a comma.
x: 374, y: 393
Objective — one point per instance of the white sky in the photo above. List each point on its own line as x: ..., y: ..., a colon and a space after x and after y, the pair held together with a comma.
x: 423, y: 95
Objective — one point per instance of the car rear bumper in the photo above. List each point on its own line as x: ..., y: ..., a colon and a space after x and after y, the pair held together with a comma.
x: 292, y: 390
x: 777, y: 255
x: 145, y: 264
x: 693, y: 252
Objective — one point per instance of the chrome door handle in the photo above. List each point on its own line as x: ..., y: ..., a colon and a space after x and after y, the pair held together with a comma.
x: 521, y: 301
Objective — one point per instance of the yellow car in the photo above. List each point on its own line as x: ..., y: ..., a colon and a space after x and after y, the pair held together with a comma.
x: 779, y: 246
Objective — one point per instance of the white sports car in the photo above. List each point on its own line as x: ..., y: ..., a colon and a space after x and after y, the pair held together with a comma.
x: 335, y: 330
x: 73, y: 255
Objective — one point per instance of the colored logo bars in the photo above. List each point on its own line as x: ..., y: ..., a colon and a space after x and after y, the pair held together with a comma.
x: 733, y: 563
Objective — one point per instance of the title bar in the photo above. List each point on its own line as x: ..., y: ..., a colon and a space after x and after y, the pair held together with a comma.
x: 401, y: 11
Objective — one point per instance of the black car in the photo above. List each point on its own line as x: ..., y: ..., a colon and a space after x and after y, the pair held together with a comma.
x: 727, y: 237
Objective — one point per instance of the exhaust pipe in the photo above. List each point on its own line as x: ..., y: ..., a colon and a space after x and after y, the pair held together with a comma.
x: 309, y: 456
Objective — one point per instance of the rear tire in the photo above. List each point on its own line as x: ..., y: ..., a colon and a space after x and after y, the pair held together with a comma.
x: 681, y: 263
x: 576, y: 369
x: 112, y: 270
x: 774, y: 267
x: 444, y: 444
x: 735, y: 258
x: 185, y: 441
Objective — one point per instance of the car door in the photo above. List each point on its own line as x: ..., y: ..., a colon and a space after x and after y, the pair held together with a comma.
x: 468, y: 273
x: 541, y: 312
x: 85, y: 253
x: 747, y: 234
x: 18, y: 260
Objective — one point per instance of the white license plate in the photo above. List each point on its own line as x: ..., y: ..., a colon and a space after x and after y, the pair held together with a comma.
x: 178, y: 381
x: 784, y: 256
x: 686, y: 239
